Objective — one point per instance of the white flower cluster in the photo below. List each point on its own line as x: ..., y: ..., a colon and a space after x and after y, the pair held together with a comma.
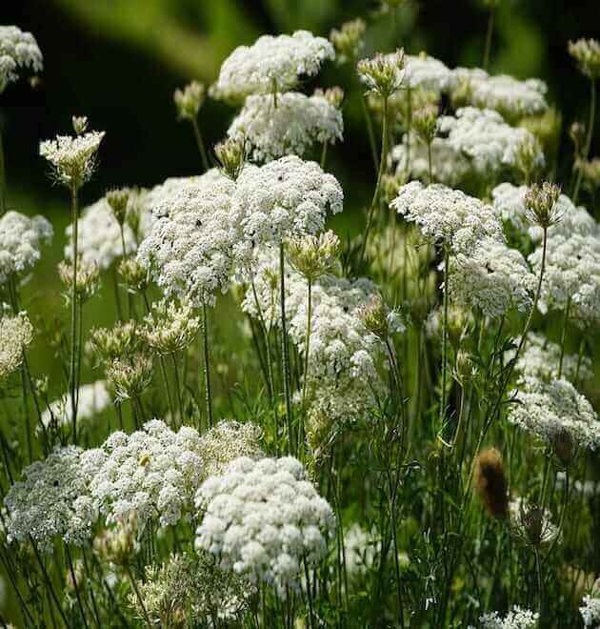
x: 361, y: 550
x: 572, y: 275
x: 343, y: 354
x: 509, y: 205
x: 590, y: 611
x: 271, y: 64
x: 264, y: 519
x: 153, y: 473
x: 99, y: 239
x: 170, y: 327
x: 290, y: 126
x: 18, y: 50
x: 426, y: 72
x: 92, y: 399
x: 21, y: 238
x: 52, y: 500
x: 447, y: 216
x: 553, y: 410
x: 16, y: 333
x: 209, y: 228
x: 510, y: 97
x: 516, y: 618
x: 486, y: 139
x: 540, y: 359
x: 491, y: 278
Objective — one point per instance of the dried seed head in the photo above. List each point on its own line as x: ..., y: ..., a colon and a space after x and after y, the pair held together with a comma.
x: 348, y: 40
x: 189, y: 100
x: 231, y: 155
x: 587, y: 54
x: 382, y: 74
x: 540, y: 201
x: 118, y: 200
x: 490, y: 481
x: 532, y: 523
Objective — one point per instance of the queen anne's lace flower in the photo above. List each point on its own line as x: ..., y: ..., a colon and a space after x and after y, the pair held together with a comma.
x: 551, y: 410
x: 510, y: 97
x: 572, y: 275
x: 532, y: 523
x: 446, y: 215
x: 540, y: 359
x: 426, y: 72
x: 509, y: 205
x: 152, y: 473
x: 18, y: 50
x: 290, y: 127
x: 53, y: 500
x: 264, y: 519
x: 486, y: 139
x: 92, y: 400
x: 361, y: 549
x: 21, y: 239
x: 590, y: 611
x: 271, y: 64
x: 516, y: 618
x: 16, y: 333
x: 491, y: 278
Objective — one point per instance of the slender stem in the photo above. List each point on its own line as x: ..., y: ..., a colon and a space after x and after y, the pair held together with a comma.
x: 430, y: 163
x: 75, y: 585
x: 2, y: 177
x: 177, y: 387
x: 324, y: 155
x: 307, y: 344
x: 370, y: 132
x: 538, y: 570
x: 200, y: 144
x: 563, y: 336
x: 588, y: 138
x: 48, y: 581
x: 488, y: 40
x: 285, y: 350
x: 384, y: 140
x: 74, y: 311
x: 444, y: 339
x: 408, y: 128
x: 138, y: 595
x: 207, y: 386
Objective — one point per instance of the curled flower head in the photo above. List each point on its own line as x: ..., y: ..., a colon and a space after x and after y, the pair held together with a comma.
x: 348, y: 40
x: 314, y: 256
x: 88, y: 278
x: 72, y: 158
x: 130, y: 376
x: 540, y: 201
x: 189, y: 100
x: 16, y: 333
x: 587, y: 54
x: 382, y: 74
x: 118, y: 201
x: 231, y: 155
x: 532, y: 523
x: 170, y: 327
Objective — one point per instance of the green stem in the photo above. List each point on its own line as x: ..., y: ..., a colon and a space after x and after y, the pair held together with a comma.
x: 177, y: 388
x: 285, y: 350
x: 74, y: 310
x: 563, y: 336
x: 444, y: 340
x: 384, y: 138
x: 207, y: 386
x: 200, y: 144
x: 430, y: 163
x: 75, y: 585
x: 138, y: 595
x: 370, y: 132
x: 488, y: 40
x: 588, y: 138
x: 2, y: 177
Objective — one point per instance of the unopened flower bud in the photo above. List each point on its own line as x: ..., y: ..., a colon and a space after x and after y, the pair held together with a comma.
x: 540, y: 201
x: 587, y: 54
x: 189, y: 100
x: 231, y: 155
x: 348, y: 40
x: 80, y: 124
x: 425, y: 123
x: 118, y: 200
x: 382, y: 74
x: 313, y: 256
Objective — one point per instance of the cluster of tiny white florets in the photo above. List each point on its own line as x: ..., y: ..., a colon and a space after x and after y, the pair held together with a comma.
x: 264, y: 519
x: 271, y: 64
x: 540, y: 360
x: 552, y: 409
x: 510, y: 97
x: 52, y: 500
x: 491, y: 278
x: 18, y: 51
x: 209, y: 227
x: 21, y: 239
x: 226, y: 441
x: 289, y: 126
x: 92, y: 399
x: 516, y: 618
x: 426, y: 72
x: 361, y: 550
x: 447, y: 216
x: 16, y: 333
x: 191, y: 248
x: 486, y: 139
x: 152, y: 473
x: 509, y: 205
x: 572, y: 275
x: 590, y: 611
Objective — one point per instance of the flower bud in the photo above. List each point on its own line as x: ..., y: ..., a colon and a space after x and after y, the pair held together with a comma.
x: 540, y: 201
x: 348, y: 40
x: 231, y: 155
x: 189, y: 100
